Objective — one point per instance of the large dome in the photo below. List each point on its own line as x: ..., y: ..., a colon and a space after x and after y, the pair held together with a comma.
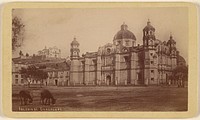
x: 124, y: 33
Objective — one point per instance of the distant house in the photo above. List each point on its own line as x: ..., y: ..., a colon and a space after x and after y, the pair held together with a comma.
x: 57, y: 69
x: 58, y: 74
x: 17, y: 78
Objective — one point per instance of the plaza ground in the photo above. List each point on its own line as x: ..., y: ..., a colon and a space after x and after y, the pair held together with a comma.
x: 131, y: 98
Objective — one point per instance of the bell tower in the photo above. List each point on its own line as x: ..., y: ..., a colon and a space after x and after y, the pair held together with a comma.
x: 173, y: 52
x: 75, y: 63
x: 149, y: 55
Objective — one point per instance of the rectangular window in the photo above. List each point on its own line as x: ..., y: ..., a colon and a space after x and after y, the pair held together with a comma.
x: 152, y: 79
x: 94, y: 62
x: 127, y: 43
x: 108, y: 60
x: 151, y: 54
x: 152, y: 71
x: 16, y: 81
x: 152, y: 62
x: 82, y: 62
x: 16, y: 68
x: 16, y: 76
x: 22, y: 81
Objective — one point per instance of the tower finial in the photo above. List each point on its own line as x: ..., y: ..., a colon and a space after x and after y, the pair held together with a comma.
x: 123, y: 23
x: 148, y: 22
x: 171, y: 35
x: 74, y: 37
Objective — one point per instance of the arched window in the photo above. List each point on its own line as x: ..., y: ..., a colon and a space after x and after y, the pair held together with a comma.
x: 159, y: 48
x: 133, y: 43
x: 151, y: 42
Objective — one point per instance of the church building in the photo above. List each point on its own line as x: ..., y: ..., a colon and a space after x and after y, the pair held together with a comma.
x: 124, y: 62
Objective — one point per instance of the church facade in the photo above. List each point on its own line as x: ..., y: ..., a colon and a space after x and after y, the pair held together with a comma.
x: 125, y: 63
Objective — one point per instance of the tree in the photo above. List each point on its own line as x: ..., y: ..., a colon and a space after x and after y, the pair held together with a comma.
x: 20, y: 53
x: 180, y: 73
x: 181, y: 70
x: 42, y: 75
x: 34, y: 73
x: 27, y: 55
x: 26, y: 73
x: 17, y: 33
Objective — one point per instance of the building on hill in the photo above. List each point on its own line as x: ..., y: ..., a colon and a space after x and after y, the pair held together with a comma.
x: 125, y: 63
x: 52, y: 52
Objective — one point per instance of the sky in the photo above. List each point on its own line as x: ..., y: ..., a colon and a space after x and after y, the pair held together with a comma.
x: 96, y: 27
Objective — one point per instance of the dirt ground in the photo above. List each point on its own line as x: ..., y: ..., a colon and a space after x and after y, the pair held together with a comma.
x: 152, y: 98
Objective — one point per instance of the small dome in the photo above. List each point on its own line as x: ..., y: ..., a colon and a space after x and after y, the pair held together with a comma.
x: 164, y: 42
x: 74, y: 42
x: 149, y: 27
x: 171, y: 40
x: 124, y: 33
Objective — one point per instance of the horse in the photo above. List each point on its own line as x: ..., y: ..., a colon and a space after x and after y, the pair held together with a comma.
x: 47, y: 98
x: 24, y: 97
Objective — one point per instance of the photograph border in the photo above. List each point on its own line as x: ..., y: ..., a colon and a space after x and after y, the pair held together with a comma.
x: 7, y: 61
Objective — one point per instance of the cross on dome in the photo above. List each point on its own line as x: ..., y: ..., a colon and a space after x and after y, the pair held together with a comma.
x: 124, y: 26
x: 148, y: 22
x: 171, y: 35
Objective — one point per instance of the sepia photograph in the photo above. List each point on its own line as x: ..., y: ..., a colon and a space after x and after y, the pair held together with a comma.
x: 100, y: 59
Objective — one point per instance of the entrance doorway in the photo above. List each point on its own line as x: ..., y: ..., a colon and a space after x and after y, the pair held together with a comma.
x: 140, y: 78
x: 108, y: 80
